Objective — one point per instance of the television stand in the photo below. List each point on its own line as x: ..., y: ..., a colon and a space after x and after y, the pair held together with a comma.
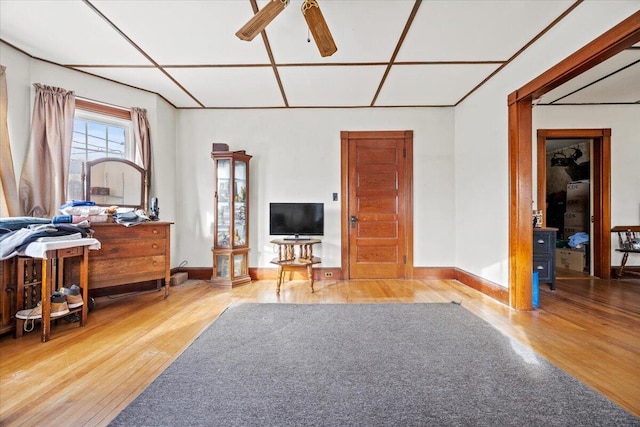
x: 296, y: 238
x: 295, y: 255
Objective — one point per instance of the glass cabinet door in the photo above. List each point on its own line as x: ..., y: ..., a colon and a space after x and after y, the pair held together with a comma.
x: 239, y: 265
x: 240, y: 203
x: 222, y: 266
x: 223, y: 222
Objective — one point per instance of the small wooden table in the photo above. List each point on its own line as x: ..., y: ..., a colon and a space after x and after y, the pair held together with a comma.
x: 295, y: 255
x: 53, y: 254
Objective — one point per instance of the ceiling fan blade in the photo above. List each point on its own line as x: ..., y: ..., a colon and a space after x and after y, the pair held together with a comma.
x: 318, y: 28
x: 261, y: 19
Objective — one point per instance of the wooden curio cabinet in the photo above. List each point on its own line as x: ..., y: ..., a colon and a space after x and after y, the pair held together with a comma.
x: 231, y: 218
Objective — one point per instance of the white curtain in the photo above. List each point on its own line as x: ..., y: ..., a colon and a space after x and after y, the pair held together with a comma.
x: 142, y: 140
x: 9, y: 190
x: 45, y: 173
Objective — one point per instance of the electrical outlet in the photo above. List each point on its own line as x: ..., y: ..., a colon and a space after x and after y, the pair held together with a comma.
x: 328, y: 274
x: 335, y: 197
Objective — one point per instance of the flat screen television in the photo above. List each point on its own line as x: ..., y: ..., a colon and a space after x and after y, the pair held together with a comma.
x: 296, y: 220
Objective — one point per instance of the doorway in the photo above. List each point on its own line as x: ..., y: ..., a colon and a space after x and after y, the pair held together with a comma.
x: 612, y: 42
x: 377, y: 204
x: 597, y: 223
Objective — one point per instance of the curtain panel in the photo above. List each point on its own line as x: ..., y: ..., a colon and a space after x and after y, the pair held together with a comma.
x: 45, y: 173
x: 9, y: 205
x: 142, y: 140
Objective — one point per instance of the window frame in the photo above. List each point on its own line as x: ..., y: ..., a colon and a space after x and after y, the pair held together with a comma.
x: 108, y: 115
x: 129, y: 147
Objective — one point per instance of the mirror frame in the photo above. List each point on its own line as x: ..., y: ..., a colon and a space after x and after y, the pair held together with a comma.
x: 143, y: 179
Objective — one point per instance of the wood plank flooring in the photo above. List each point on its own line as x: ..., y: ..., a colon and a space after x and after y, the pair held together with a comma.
x: 588, y: 327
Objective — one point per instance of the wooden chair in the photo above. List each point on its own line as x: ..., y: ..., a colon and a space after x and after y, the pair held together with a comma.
x: 629, y: 242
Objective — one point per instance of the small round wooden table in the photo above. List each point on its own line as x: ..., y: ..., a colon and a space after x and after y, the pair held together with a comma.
x: 295, y: 254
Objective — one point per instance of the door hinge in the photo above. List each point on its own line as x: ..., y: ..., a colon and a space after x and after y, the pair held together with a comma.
x: 404, y: 152
x: 404, y: 259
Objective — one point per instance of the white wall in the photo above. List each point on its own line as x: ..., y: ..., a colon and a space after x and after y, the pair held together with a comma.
x: 482, y: 186
x: 22, y: 72
x: 460, y: 156
x: 624, y: 122
x: 163, y: 173
x: 296, y: 157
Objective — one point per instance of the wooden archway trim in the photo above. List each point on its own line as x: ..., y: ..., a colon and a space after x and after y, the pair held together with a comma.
x: 612, y: 42
x: 621, y: 37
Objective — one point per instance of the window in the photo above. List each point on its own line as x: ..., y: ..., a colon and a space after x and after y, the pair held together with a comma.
x: 98, y: 131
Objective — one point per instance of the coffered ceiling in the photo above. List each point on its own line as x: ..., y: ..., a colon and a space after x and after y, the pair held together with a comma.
x: 390, y: 52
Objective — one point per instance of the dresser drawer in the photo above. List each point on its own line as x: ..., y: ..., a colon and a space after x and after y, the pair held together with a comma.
x: 110, y: 272
x: 544, y: 266
x: 128, y: 248
x: 544, y: 243
x: 69, y: 252
x: 120, y: 232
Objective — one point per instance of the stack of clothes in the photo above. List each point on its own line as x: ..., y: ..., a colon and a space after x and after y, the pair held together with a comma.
x: 17, y: 232
x: 81, y: 211
x: 73, y: 223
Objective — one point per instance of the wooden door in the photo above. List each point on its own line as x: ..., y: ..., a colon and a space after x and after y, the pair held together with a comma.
x: 377, y: 204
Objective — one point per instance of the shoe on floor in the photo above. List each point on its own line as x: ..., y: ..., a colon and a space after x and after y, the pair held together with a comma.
x: 30, y: 313
x: 59, y: 308
x: 73, y: 296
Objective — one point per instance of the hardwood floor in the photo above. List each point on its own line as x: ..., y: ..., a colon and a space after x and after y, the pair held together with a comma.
x: 588, y: 327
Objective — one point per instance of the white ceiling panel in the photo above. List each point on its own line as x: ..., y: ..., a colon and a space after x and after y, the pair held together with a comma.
x: 64, y: 32
x: 150, y: 79
x: 604, y: 82
x: 431, y: 84
x: 625, y: 87
x: 187, y: 32
x: 364, y: 31
x: 331, y: 85
x: 450, y: 47
x: 231, y: 87
x: 468, y: 30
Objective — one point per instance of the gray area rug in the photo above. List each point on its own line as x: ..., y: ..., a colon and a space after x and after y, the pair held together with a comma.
x: 363, y: 365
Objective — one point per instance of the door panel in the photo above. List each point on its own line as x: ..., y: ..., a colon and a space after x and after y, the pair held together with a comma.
x: 376, y: 206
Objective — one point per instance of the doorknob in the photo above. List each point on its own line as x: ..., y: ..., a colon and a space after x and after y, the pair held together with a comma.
x: 353, y: 221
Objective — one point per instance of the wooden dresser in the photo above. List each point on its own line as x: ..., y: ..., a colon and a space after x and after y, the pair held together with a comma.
x: 133, y: 254
x: 544, y: 255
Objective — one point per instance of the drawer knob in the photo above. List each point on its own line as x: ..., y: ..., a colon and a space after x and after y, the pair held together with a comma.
x: 541, y: 241
x: 154, y: 246
x: 155, y: 231
x: 540, y: 267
